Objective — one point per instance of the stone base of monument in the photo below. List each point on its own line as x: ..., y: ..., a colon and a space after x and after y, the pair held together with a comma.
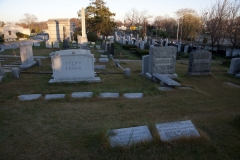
x: 199, y: 73
x: 25, y: 66
x: 95, y: 79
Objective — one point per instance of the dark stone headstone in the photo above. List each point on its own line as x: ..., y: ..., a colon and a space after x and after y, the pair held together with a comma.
x: 65, y: 44
x: 108, y: 47
x: 199, y: 62
x: 112, y: 49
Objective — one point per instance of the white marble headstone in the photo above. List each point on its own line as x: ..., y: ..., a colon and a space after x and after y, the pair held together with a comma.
x: 26, y: 54
x: 73, y: 66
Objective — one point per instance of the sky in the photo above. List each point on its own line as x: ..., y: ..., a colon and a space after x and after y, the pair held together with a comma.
x: 13, y: 10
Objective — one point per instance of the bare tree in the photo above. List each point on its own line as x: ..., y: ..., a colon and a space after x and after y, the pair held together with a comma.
x: 214, y: 19
x: 158, y: 23
x: 138, y: 18
x: 29, y: 20
x: 233, y: 24
x: 189, y: 23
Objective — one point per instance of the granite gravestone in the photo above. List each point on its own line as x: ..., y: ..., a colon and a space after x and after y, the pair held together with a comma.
x: 65, y: 41
x: 199, y: 62
x: 26, y: 54
x: 129, y: 136
x: 162, y: 60
x: 175, y: 130
x: 234, y: 66
x: 73, y: 66
x: 145, y: 64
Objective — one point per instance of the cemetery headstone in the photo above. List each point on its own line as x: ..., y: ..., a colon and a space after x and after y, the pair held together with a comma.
x: 65, y: 44
x: 145, y: 64
x: 162, y: 60
x: 142, y: 45
x: 127, y: 72
x: 73, y: 65
x: 175, y: 130
x: 112, y: 49
x: 38, y: 62
x: 55, y: 44
x: 26, y: 54
x: 199, y: 62
x: 234, y: 66
x: 16, y: 72
x: 129, y: 136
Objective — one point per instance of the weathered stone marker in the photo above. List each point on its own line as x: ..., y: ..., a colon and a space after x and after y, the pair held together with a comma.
x: 199, y: 62
x: 175, y: 130
x: 129, y: 136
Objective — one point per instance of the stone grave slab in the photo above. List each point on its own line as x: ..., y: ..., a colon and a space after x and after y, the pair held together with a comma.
x: 101, y: 51
x: 165, y: 88
x: 133, y: 95
x: 54, y: 96
x: 148, y: 75
x: 109, y: 95
x: 91, y: 46
x: 104, y: 56
x: 103, y: 60
x: 82, y: 94
x: 99, y: 67
x: 29, y: 97
x: 174, y: 130
x: 166, y: 80
x: 232, y: 84
x: 129, y: 136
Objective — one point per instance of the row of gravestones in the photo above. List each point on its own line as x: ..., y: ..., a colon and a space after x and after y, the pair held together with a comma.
x: 167, y: 132
x: 162, y: 60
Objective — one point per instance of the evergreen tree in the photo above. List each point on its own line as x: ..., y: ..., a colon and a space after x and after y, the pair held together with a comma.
x: 98, y: 18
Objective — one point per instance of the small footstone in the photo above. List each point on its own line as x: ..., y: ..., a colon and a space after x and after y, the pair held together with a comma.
x: 109, y: 95
x: 99, y: 67
x: 29, y: 97
x: 133, y: 95
x: 103, y: 60
x: 54, y: 96
x: 82, y: 94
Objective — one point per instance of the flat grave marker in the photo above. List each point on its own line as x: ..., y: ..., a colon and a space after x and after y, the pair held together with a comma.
x: 82, y: 94
x: 29, y: 97
x: 174, y: 130
x: 129, y: 136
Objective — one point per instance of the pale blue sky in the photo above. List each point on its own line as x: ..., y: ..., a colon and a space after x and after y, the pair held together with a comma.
x: 13, y: 10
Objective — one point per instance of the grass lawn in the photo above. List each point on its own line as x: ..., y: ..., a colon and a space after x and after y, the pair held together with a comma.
x: 76, y: 128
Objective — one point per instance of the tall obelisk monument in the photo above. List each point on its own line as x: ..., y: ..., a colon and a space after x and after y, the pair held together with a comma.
x: 84, y: 36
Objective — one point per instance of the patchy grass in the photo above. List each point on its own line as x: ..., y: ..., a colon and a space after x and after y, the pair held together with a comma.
x: 76, y: 128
